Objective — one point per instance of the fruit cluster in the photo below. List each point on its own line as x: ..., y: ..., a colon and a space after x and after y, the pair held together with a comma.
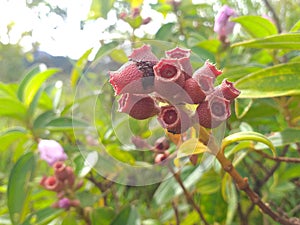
x: 63, y: 182
x: 164, y: 87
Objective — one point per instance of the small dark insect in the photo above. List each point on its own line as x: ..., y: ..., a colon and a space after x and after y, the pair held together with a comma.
x: 146, y: 67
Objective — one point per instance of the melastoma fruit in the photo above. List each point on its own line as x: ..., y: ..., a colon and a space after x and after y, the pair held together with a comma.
x: 138, y: 106
x: 213, y: 112
x: 195, y: 94
x: 206, y: 76
x: 183, y: 56
x: 174, y: 120
x: 227, y: 90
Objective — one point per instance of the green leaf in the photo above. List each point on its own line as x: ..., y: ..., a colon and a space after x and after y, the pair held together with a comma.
x: 43, y: 119
x: 279, y: 80
x: 25, y: 80
x: 256, y: 26
x: 279, y: 139
x: 106, y: 49
x: 170, y: 188
x: 69, y: 219
x: 79, y: 67
x: 120, y: 155
x: 164, y: 32
x: 18, y: 190
x: 242, y: 106
x: 66, y: 123
x: 212, y: 46
x: 247, y: 136
x: 34, y: 84
x: 296, y: 27
x: 128, y: 216
x: 119, y: 56
x: 190, y: 147
x: 232, y: 203
x: 100, y: 8
x: 11, y: 136
x: 102, y: 214
x: 7, y: 90
x: 43, y: 216
x: 281, y: 41
x: 11, y: 107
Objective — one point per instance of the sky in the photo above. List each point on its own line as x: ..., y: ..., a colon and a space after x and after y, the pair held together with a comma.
x: 64, y: 37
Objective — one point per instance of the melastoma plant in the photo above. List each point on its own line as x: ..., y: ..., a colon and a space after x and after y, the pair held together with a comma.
x: 182, y: 97
x: 163, y: 87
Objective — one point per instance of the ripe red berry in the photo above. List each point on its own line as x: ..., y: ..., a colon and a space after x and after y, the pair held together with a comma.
x: 138, y: 106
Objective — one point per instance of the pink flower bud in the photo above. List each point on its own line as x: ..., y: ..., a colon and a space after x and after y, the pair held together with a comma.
x: 135, y: 12
x: 64, y: 203
x: 212, y: 112
x: 75, y: 203
x: 146, y: 20
x: 52, y: 184
x: 227, y: 90
x: 174, y: 120
x: 194, y: 93
x: 223, y: 27
x: 51, y: 151
x: 160, y: 158
x: 138, y: 106
x: 161, y: 144
x: 122, y: 15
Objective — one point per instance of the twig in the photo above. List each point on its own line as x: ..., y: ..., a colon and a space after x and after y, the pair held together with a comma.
x: 242, y: 184
x: 279, y: 158
x: 274, y: 15
x: 188, y: 196
x: 174, y: 205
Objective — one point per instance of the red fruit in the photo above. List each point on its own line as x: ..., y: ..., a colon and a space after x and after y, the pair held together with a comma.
x: 178, y: 53
x: 213, y: 68
x: 138, y: 106
x: 183, y: 56
x: 227, y: 90
x: 194, y: 94
x: 143, y: 53
x: 60, y: 170
x: 130, y: 78
x: 174, y: 120
x: 206, y: 76
x: 213, y: 112
x: 160, y: 158
x: 52, y: 184
x: 162, y: 144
